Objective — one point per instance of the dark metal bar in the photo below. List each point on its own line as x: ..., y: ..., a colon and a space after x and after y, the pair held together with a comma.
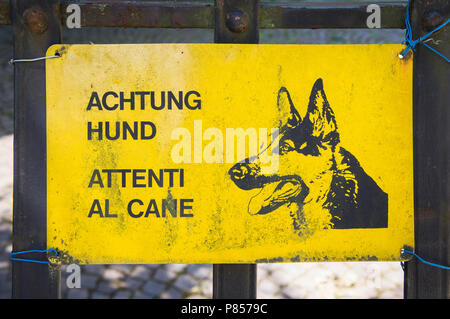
x: 327, y: 15
x: 145, y: 14
x: 236, y: 22
x: 5, y: 12
x: 296, y: 15
x: 36, y: 27
x: 431, y: 154
x: 234, y: 281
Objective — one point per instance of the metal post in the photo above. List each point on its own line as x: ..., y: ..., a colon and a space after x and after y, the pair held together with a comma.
x: 36, y: 26
x: 431, y: 150
x: 236, y: 21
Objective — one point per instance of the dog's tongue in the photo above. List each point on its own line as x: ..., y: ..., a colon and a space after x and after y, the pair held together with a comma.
x: 273, y: 195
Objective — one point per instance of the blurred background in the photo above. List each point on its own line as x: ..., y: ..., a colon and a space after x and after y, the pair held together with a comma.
x: 300, y: 280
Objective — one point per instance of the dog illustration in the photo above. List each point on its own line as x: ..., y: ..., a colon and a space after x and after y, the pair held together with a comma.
x: 322, y: 185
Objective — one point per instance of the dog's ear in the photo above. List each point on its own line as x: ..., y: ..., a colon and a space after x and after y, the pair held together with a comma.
x: 321, y: 115
x: 286, y: 106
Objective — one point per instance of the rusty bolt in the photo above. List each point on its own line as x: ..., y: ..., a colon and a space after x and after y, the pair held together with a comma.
x: 237, y: 21
x: 36, y: 20
x: 432, y: 19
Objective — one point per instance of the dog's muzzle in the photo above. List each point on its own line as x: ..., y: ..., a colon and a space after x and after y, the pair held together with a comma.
x: 246, y: 175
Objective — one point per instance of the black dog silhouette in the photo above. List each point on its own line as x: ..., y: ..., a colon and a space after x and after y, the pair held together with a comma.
x: 322, y: 184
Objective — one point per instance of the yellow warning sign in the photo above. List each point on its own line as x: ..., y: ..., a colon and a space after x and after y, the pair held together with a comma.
x: 207, y: 153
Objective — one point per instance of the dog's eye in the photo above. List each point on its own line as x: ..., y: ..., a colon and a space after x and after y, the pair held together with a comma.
x: 303, y: 146
x: 287, y: 146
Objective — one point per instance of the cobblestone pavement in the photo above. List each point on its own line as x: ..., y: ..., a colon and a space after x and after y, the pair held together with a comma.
x: 305, y: 280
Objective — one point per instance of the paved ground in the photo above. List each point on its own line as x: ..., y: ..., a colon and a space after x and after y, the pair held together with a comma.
x: 306, y: 280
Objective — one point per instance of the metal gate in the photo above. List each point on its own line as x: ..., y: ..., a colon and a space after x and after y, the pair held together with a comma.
x: 37, y: 25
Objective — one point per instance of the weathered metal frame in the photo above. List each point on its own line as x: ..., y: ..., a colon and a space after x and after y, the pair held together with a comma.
x: 272, y: 15
x: 431, y: 96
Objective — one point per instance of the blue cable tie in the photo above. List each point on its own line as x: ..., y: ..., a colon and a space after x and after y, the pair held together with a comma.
x: 424, y: 261
x: 32, y: 251
x: 437, y: 52
x: 411, y: 44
